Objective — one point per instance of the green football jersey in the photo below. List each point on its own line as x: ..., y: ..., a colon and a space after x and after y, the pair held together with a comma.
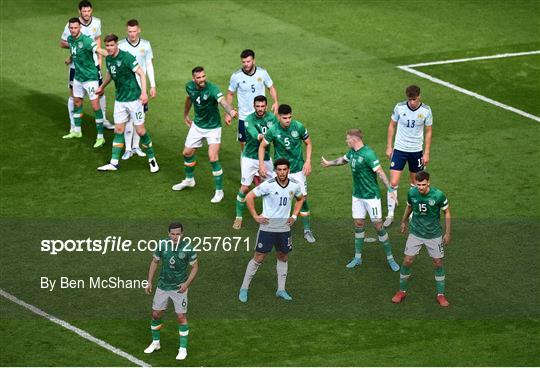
x: 426, y: 215
x: 122, y: 70
x: 288, y: 143
x: 83, y: 54
x: 174, y: 263
x: 205, y: 102
x: 255, y: 126
x: 364, y: 163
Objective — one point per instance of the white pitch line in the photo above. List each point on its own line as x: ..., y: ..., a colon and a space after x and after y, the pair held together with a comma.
x: 469, y: 93
x: 497, y: 56
x: 77, y: 330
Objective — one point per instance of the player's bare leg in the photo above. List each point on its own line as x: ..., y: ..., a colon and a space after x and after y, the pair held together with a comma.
x: 155, y: 328
x: 217, y: 172
x: 282, y: 266
x: 189, y: 168
x: 404, y: 274
x: 240, y: 206
x: 395, y: 175
x: 146, y: 142
x: 251, y: 269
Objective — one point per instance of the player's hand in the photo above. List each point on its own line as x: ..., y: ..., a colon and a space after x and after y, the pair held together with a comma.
x: 291, y: 221
x: 188, y: 121
x: 144, y: 98
x: 393, y: 194
x: 228, y: 119
x: 99, y: 91
x: 275, y: 107
x: 262, y: 171
x: 261, y: 219
x: 232, y: 113
x: 307, y: 168
x: 148, y: 288
x: 389, y: 152
x: 324, y: 162
x: 68, y: 61
x: 425, y: 159
x: 153, y: 92
x: 183, y: 288
x: 403, y: 227
x: 446, y: 239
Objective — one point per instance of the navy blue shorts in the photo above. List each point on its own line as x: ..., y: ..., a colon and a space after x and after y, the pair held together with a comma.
x: 266, y: 240
x: 400, y: 158
x: 145, y: 108
x: 241, y: 131
x: 100, y: 76
x: 71, y: 77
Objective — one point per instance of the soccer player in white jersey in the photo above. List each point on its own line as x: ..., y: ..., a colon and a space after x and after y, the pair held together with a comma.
x: 142, y: 50
x: 91, y: 27
x: 408, y: 122
x: 275, y: 225
x: 248, y: 82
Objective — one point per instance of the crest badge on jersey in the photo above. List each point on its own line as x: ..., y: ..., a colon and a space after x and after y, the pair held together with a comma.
x: 205, y: 97
x: 142, y: 52
x: 420, y: 116
x: 259, y: 79
x: 182, y: 255
x: 80, y: 44
x: 294, y: 134
x: 431, y: 202
x: 118, y: 63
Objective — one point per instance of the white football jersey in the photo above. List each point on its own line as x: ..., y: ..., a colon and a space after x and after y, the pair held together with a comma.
x: 248, y: 87
x: 277, y: 203
x: 92, y: 30
x: 410, y: 126
x: 142, y: 51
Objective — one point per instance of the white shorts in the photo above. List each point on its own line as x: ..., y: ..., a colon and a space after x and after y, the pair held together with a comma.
x: 370, y: 206
x: 249, y: 167
x: 161, y: 300
x: 125, y: 111
x: 196, y: 136
x: 301, y: 179
x: 82, y: 88
x: 434, y: 246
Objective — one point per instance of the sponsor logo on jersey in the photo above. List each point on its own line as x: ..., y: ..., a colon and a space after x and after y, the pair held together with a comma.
x: 276, y: 193
x: 294, y: 134
x: 431, y: 202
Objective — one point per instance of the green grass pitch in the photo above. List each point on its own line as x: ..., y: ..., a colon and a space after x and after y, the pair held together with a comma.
x: 335, y: 63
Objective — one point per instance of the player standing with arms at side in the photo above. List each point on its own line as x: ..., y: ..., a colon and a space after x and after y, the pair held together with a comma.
x: 175, y: 256
x: 142, y: 51
x: 91, y: 27
x: 205, y: 97
x: 129, y: 99
x: 365, y: 168
x: 275, y: 225
x: 83, y: 53
x: 248, y: 82
x: 410, y: 118
x: 256, y: 124
x: 288, y: 137
x: 425, y: 203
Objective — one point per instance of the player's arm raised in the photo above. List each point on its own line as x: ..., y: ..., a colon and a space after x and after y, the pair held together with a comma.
x: 151, y: 271
x: 307, y: 165
x: 390, y: 138
x: 427, y: 148
x: 187, y: 107
x: 250, y: 203
x: 337, y: 162
x: 384, y: 179
x: 140, y: 72
x: 194, y: 269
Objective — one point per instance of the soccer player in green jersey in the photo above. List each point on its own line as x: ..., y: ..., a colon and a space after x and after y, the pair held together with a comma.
x: 425, y: 203
x: 129, y: 99
x: 256, y: 125
x: 175, y: 255
x: 206, y: 125
x: 86, y: 80
x: 288, y: 138
x: 365, y: 168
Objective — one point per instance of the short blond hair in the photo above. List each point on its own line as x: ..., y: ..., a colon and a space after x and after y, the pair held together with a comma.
x: 356, y: 133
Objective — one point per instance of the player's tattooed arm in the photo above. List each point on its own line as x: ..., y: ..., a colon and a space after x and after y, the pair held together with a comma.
x: 384, y: 179
x: 105, y: 83
x: 227, y: 107
x: 337, y: 162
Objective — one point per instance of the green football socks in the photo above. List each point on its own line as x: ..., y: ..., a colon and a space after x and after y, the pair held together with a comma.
x: 359, y: 235
x: 404, y: 274
x: 189, y: 166
x: 240, y: 204
x: 155, y: 327
x: 118, y: 146
x: 304, y: 215
x: 439, y: 279
x: 217, y: 171
x: 183, y: 331
x: 146, y: 142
